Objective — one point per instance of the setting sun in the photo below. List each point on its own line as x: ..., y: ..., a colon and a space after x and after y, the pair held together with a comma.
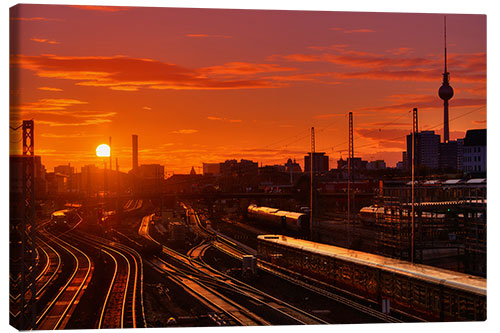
x: 103, y: 150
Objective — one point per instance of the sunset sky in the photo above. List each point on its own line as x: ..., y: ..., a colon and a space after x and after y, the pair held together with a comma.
x: 206, y: 85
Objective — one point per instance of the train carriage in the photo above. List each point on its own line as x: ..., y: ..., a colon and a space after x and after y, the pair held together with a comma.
x: 287, y: 220
x: 423, y: 291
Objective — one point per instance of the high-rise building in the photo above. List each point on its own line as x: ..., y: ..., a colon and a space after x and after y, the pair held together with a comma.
x: 460, y: 154
x: 320, y: 162
x: 448, y: 158
x: 427, y: 151
x: 135, y: 152
x: 474, y: 150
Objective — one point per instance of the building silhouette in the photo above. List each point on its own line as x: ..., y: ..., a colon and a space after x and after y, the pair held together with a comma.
x: 356, y: 164
x: 292, y: 167
x: 320, y: 163
x: 427, y: 149
x: 233, y: 168
x: 474, y: 151
x: 211, y: 168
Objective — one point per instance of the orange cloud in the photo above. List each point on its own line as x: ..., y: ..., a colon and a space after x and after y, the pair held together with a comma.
x: 86, y: 122
x: 351, y: 31
x: 362, y: 59
x: 400, y: 51
x: 397, y: 65
x: 110, y: 9
x: 207, y: 36
x: 324, y: 78
x: 330, y: 47
x: 49, y: 89
x: 224, y: 119
x: 185, y: 131
x: 298, y: 57
x: 385, y: 138
x: 44, y: 40
x: 48, y: 104
x: 68, y: 135
x: 34, y: 19
x: 245, y: 68
x: 130, y: 74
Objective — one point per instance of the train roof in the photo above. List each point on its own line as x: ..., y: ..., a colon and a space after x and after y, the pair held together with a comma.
x: 61, y: 212
x: 371, y: 209
x: 275, y: 211
x: 453, y: 279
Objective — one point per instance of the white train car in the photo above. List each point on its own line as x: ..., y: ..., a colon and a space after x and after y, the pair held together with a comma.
x: 289, y: 220
x: 427, y: 292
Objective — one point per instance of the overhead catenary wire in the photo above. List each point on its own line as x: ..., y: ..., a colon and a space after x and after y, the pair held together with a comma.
x: 426, y: 128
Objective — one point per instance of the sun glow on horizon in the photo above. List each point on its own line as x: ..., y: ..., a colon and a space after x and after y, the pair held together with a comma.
x: 103, y: 150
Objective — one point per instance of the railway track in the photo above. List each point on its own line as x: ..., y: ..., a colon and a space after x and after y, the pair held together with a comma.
x: 229, y: 311
x: 196, y: 272
x: 120, y: 308
x: 51, y: 269
x: 223, y: 310
x: 57, y: 312
x: 232, y: 249
x: 48, y: 273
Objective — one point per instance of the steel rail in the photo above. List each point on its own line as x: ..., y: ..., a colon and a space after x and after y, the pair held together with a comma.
x: 90, y: 240
x: 244, y: 289
x: 47, y: 261
x: 99, y: 242
x: 144, y: 231
x: 175, y: 272
x: 190, y: 264
x: 66, y: 247
x: 38, y: 278
x: 50, y: 279
x: 101, y: 317
x: 338, y: 298
x: 142, y: 273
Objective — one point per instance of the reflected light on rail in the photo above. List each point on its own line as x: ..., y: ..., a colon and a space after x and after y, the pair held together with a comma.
x: 103, y: 150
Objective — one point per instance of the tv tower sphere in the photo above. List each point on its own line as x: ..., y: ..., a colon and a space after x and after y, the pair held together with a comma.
x: 446, y: 92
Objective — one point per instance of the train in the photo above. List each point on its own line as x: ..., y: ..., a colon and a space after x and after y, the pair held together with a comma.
x: 374, y: 213
x: 64, y: 218
x: 287, y: 220
x: 371, y: 214
x: 424, y: 292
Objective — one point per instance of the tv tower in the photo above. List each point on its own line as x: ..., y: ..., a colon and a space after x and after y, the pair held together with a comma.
x: 446, y: 91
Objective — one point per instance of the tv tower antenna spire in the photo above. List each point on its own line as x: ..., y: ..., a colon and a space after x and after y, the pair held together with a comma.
x: 446, y: 91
